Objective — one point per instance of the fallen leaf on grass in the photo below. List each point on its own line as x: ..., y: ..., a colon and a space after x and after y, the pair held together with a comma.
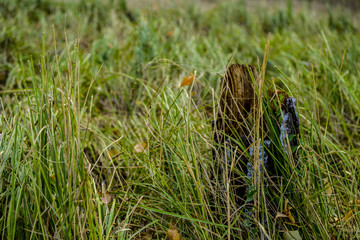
x: 187, y: 80
x: 292, y: 235
x: 141, y: 147
x: 170, y: 33
x: 173, y: 234
x: 347, y: 216
x: 288, y: 212
x: 107, y: 198
x: 113, y: 153
x: 350, y: 214
x: 328, y: 188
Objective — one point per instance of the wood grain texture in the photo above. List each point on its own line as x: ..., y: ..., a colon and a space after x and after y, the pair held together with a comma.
x: 237, y: 99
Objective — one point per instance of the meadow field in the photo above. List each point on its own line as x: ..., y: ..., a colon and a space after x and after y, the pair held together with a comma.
x: 100, y: 138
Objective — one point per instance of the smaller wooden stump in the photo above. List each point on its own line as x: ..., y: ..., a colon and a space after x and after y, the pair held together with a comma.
x: 237, y: 100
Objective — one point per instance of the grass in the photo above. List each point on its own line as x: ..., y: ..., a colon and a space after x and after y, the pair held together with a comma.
x: 83, y: 83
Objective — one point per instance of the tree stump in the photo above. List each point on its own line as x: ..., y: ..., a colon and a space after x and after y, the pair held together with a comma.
x: 233, y: 125
x: 237, y: 99
x: 234, y: 128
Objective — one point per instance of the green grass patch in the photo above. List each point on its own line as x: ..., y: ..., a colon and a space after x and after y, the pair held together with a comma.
x: 82, y: 83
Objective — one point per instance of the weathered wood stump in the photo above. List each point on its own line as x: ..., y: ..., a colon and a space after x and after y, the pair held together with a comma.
x: 237, y: 99
x: 233, y: 123
x: 234, y: 128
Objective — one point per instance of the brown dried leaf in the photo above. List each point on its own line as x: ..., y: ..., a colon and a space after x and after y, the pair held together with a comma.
x: 187, y: 80
x: 113, y: 153
x: 141, y: 147
x: 107, y: 198
x: 288, y: 212
x: 170, y: 33
x: 348, y: 215
x: 173, y: 234
x: 291, y: 218
x: 328, y: 189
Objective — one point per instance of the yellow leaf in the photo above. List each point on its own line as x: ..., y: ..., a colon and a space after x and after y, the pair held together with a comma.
x: 328, y: 189
x: 187, y: 80
x: 173, y: 234
x: 348, y: 216
x: 288, y: 212
x: 170, y: 33
x: 113, y: 153
x: 141, y: 147
x: 107, y: 198
x: 291, y: 218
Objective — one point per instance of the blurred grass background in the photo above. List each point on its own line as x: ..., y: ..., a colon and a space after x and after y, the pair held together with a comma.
x: 83, y: 83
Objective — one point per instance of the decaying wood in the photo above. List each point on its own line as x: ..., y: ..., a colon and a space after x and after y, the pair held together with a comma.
x: 237, y: 99
x: 234, y: 125
x: 237, y: 105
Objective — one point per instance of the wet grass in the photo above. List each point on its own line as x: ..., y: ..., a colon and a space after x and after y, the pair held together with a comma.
x: 99, y: 141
